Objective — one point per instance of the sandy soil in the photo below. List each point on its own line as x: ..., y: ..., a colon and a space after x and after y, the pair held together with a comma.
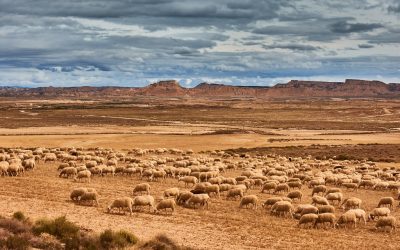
x: 224, y: 226
x: 195, y: 138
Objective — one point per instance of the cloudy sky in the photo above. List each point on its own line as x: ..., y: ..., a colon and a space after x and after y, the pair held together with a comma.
x: 241, y: 42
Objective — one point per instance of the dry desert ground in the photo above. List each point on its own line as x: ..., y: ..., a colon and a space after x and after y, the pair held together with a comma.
x: 249, y: 135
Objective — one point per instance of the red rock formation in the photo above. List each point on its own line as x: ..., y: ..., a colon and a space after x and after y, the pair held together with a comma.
x: 171, y: 88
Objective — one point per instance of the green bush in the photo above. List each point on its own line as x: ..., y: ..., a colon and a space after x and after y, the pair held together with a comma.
x: 59, y: 227
x: 120, y: 239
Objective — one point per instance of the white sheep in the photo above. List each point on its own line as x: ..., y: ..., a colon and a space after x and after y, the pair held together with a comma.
x: 121, y: 203
x: 320, y: 189
x: 166, y: 204
x: 309, y: 210
x: 351, y: 203
x: 361, y: 215
x: 269, y: 187
x: 388, y: 221
x: 77, y: 193
x: 144, y: 200
x: 283, y: 187
x: 325, y: 218
x: 183, y: 197
x: 85, y: 174
x: 353, y: 186
x: 29, y: 163
x: 249, y: 200
x: 68, y: 171
x: 50, y: 157
x: 235, y: 192
x: 213, y: 189
x: 379, y: 212
x: 308, y: 219
x: 188, y: 180
x: 89, y: 197
x: 171, y: 192
x: 333, y: 190
x: 386, y: 202
x: 326, y: 209
x: 331, y: 197
x: 297, y: 194
x: 142, y: 187
x: 319, y: 200
x: 4, y: 168
x: 271, y: 201
x: 348, y: 218
x: 224, y: 187
x: 201, y: 199
x: 282, y: 208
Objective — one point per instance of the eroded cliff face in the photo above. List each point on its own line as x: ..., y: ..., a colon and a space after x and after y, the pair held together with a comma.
x: 171, y: 88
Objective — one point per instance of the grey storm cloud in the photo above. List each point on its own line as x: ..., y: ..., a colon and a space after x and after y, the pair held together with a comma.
x: 207, y: 11
x: 299, y: 47
x: 119, y: 41
x: 365, y: 46
x: 394, y: 8
x: 346, y: 27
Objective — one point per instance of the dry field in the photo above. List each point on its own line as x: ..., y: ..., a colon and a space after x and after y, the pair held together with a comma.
x: 41, y: 193
x: 352, y: 129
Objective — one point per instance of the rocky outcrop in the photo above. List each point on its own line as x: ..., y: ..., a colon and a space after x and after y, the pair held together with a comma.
x: 350, y: 88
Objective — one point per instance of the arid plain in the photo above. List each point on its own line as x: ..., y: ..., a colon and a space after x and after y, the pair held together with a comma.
x: 352, y: 130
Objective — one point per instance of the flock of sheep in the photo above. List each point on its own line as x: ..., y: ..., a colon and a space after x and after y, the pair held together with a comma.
x: 204, y: 178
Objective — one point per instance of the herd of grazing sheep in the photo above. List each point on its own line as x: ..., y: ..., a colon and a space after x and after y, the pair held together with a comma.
x: 204, y: 177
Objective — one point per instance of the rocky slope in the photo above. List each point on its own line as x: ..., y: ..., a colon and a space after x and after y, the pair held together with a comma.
x: 171, y: 88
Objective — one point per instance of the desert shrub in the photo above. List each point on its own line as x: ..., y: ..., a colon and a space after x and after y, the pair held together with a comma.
x: 14, y: 226
x: 127, y: 237
x: 120, y: 239
x: 16, y: 242
x: 4, y: 234
x: 59, y: 227
x: 343, y: 157
x: 46, y: 241
x: 19, y: 216
x: 89, y: 242
x: 162, y: 242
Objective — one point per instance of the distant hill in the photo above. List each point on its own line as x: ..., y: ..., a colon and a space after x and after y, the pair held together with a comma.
x: 350, y: 88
